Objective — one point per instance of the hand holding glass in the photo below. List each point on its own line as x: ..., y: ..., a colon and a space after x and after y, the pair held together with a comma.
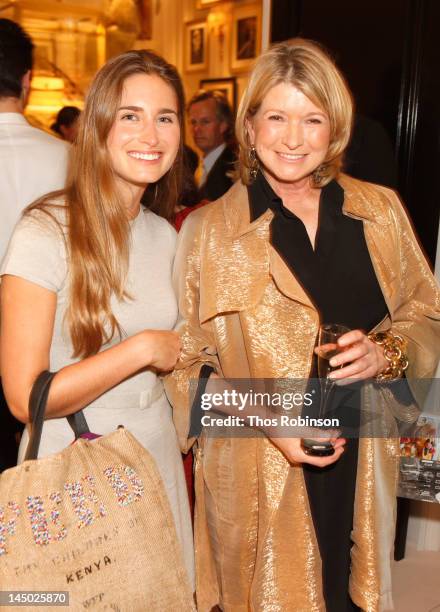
x: 328, y: 347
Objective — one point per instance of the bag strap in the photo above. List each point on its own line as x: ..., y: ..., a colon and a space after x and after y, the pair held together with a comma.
x: 37, y: 409
x: 78, y: 423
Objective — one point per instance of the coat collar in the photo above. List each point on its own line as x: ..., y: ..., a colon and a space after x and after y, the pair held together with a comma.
x: 252, y: 261
x: 361, y: 201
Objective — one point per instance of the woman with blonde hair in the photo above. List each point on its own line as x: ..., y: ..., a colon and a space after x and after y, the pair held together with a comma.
x: 86, y: 282
x: 293, y: 244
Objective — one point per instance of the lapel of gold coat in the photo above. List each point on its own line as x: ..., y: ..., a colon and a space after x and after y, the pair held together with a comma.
x: 249, y: 259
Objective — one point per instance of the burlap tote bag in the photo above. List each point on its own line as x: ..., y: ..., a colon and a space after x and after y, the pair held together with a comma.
x: 93, y: 520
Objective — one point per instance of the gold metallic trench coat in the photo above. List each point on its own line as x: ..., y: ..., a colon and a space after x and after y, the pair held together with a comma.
x: 245, y: 314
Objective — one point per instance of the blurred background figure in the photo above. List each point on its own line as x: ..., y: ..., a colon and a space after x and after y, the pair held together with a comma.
x: 32, y: 163
x: 190, y: 198
x: 211, y: 120
x: 191, y: 159
x: 66, y: 124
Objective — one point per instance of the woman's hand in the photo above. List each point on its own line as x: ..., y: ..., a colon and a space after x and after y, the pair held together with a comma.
x: 291, y: 449
x: 359, y: 358
x: 160, y: 349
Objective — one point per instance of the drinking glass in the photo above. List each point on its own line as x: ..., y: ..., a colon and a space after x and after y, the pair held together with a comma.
x: 328, y: 336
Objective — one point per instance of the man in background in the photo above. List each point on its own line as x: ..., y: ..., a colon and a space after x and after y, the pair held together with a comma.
x: 32, y: 163
x: 211, y: 121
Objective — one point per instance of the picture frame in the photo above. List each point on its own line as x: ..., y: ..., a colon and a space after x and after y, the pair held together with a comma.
x: 196, y: 46
x: 228, y: 86
x: 246, y: 36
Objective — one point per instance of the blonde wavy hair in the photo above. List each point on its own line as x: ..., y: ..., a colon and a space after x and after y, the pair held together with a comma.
x: 306, y: 66
x: 97, y: 235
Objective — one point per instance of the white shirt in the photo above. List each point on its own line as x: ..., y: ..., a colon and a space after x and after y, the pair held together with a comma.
x: 32, y: 163
x: 210, y: 159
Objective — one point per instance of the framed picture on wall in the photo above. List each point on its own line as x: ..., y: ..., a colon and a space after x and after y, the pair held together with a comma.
x: 246, y: 36
x: 228, y: 87
x: 196, y: 48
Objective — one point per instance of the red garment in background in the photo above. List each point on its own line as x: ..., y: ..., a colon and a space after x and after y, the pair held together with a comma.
x: 180, y: 217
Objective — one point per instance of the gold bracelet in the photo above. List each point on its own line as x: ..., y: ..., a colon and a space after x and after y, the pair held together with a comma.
x: 394, y: 351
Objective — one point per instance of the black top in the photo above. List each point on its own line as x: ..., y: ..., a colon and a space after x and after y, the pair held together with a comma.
x: 338, y: 276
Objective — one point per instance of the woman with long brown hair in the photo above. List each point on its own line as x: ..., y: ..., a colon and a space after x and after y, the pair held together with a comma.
x: 86, y: 282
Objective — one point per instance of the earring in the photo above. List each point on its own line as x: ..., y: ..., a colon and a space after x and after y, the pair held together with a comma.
x: 319, y: 174
x: 254, y: 166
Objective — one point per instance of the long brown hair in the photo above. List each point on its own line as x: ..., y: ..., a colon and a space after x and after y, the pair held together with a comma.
x: 98, y: 228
